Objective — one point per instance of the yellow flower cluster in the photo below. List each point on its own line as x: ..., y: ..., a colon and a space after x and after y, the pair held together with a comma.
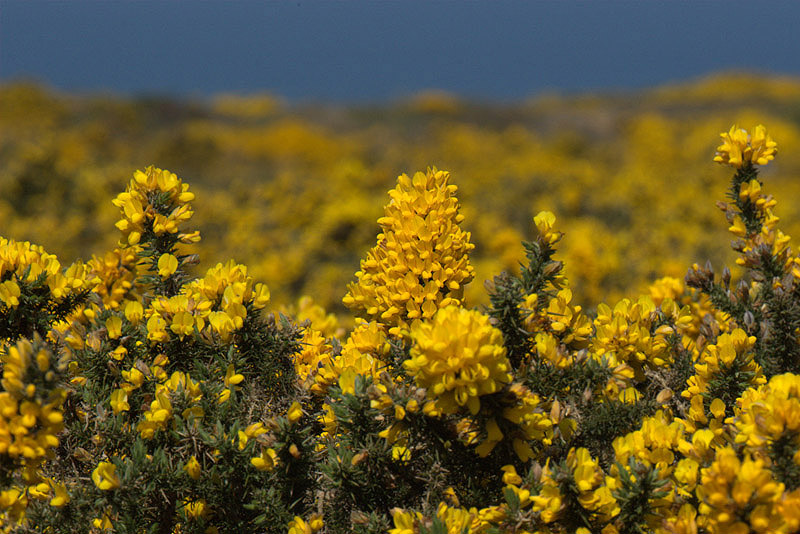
x: 637, y: 333
x: 22, y: 263
x: 421, y: 262
x: 31, y: 419
x: 559, y: 329
x: 364, y: 353
x: 159, y: 414
x: 214, y: 306
x: 300, y: 526
x: 699, y: 307
x: 155, y: 203
x: 654, y: 444
x: 730, y: 358
x: 116, y: 272
x: 521, y: 407
x: 454, y: 519
x: 30, y: 403
x: 315, y: 348
x: 769, y: 413
x: 580, y: 478
x: 740, y: 149
x: 315, y: 351
x: 767, y: 422
x: 458, y: 356
x: 739, y: 496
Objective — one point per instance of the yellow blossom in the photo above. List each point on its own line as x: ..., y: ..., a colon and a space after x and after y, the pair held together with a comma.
x: 458, y: 356
x: 167, y: 265
x: 192, y: 468
x: 739, y: 148
x: 420, y: 263
x: 104, y: 476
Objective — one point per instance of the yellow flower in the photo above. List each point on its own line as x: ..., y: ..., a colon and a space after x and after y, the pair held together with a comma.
x: 298, y: 526
x: 61, y: 496
x: 266, y: 461
x: 167, y: 265
x: 458, y: 356
x: 158, y: 415
x: 545, y: 222
x: 119, y: 401
x: 134, y: 311
x: 231, y: 377
x: 196, y: 509
x: 9, y: 293
x: 114, y: 327
x: 104, y: 476
x: 295, y: 412
x: 405, y: 522
x: 192, y: 468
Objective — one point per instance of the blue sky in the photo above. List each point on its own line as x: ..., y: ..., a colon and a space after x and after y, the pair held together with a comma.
x: 371, y: 51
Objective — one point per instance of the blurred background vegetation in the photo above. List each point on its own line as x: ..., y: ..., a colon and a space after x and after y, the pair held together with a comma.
x: 294, y: 190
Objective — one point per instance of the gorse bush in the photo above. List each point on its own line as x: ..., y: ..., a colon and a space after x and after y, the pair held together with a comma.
x: 138, y: 397
x: 293, y: 190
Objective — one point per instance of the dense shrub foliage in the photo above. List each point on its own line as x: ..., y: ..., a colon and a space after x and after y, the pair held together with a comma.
x: 140, y: 397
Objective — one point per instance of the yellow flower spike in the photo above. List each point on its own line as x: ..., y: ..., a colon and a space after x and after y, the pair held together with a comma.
x: 167, y: 265
x: 138, y: 215
x: 295, y: 412
x: 420, y: 263
x: 104, y: 476
x: 192, y: 468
